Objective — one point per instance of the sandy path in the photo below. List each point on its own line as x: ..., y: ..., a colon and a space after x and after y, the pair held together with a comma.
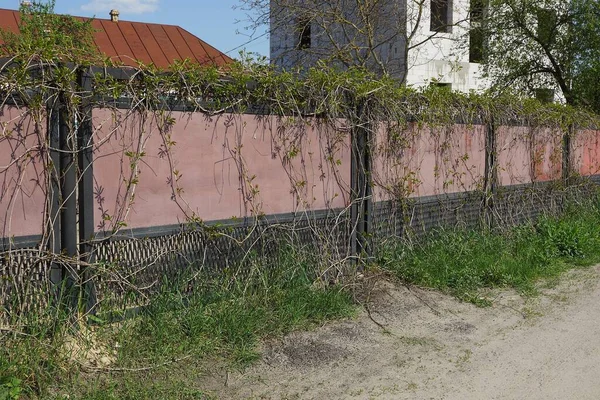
x: 434, y: 347
x: 557, y: 358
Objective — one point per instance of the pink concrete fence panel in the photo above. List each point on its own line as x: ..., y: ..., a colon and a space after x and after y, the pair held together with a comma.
x: 22, y: 175
x: 527, y: 155
x: 430, y: 161
x: 586, y: 152
x: 148, y: 173
x: 215, y: 168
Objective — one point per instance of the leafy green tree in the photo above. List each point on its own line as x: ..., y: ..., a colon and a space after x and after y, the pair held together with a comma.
x: 586, y: 65
x: 47, y: 38
x: 534, y: 46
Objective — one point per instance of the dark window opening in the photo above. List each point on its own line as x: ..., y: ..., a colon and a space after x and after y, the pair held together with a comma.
x: 547, y: 21
x: 443, y: 86
x: 476, y: 10
x: 441, y: 16
x: 476, y: 44
x: 476, y: 34
x: 544, y: 95
x: 304, y: 34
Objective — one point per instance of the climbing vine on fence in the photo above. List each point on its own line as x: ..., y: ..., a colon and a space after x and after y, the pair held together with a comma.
x: 43, y: 73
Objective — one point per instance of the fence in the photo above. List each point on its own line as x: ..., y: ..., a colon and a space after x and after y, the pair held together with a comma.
x: 151, y: 201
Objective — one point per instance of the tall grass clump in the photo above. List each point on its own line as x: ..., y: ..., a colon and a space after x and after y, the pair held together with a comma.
x: 215, y: 316
x: 462, y: 262
x: 229, y: 313
x: 33, y: 354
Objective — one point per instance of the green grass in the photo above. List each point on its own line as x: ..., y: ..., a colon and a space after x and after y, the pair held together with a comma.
x: 462, y: 262
x: 31, y: 354
x: 221, y: 323
x: 227, y: 323
x: 164, y: 351
x: 156, y: 385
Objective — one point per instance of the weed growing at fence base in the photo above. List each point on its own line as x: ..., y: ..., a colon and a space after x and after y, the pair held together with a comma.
x: 462, y: 262
x: 32, y: 353
x: 221, y: 321
x: 226, y: 322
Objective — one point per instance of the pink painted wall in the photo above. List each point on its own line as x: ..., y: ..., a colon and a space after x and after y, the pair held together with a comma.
x: 284, y: 166
x: 586, y: 152
x: 243, y: 165
x: 528, y: 155
x: 22, y: 198
x: 432, y: 161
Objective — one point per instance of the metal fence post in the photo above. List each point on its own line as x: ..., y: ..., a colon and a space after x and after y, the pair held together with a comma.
x: 361, y: 187
x: 68, y: 175
x: 566, y: 154
x: 85, y: 142
x: 54, y: 195
x: 491, y: 172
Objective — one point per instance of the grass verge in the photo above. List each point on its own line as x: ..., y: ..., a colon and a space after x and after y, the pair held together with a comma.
x: 163, y: 351
x: 462, y: 262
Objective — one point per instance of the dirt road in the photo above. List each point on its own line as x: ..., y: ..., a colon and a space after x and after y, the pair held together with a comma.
x: 425, y: 345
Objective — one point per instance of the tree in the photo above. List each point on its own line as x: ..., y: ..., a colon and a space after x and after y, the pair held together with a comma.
x: 534, y: 47
x: 47, y: 38
x: 380, y: 35
x: 586, y: 64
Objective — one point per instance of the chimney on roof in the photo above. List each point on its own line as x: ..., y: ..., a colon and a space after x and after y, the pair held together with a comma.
x: 114, y: 15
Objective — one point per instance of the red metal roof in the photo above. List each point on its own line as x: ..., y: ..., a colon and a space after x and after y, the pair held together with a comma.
x: 129, y: 42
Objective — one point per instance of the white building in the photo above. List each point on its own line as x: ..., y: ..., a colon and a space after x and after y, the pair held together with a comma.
x: 419, y: 41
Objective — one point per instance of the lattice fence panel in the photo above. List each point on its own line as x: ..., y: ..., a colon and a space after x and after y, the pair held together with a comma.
x: 131, y: 269
x: 135, y: 268
x: 24, y: 282
x: 511, y: 206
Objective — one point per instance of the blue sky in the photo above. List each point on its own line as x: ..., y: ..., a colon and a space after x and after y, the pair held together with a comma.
x: 214, y: 21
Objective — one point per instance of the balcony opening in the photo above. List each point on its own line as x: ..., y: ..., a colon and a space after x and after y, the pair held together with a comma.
x: 304, y: 34
x: 544, y: 95
x: 441, y: 16
x: 476, y: 34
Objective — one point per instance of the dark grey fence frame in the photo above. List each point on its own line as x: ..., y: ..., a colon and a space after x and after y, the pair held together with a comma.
x: 74, y: 235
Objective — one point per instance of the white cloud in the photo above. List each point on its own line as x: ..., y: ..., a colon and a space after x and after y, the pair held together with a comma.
x: 102, y: 7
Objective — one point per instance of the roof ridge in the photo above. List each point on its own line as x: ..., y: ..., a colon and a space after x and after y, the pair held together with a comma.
x: 99, y: 18
x: 155, y: 54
